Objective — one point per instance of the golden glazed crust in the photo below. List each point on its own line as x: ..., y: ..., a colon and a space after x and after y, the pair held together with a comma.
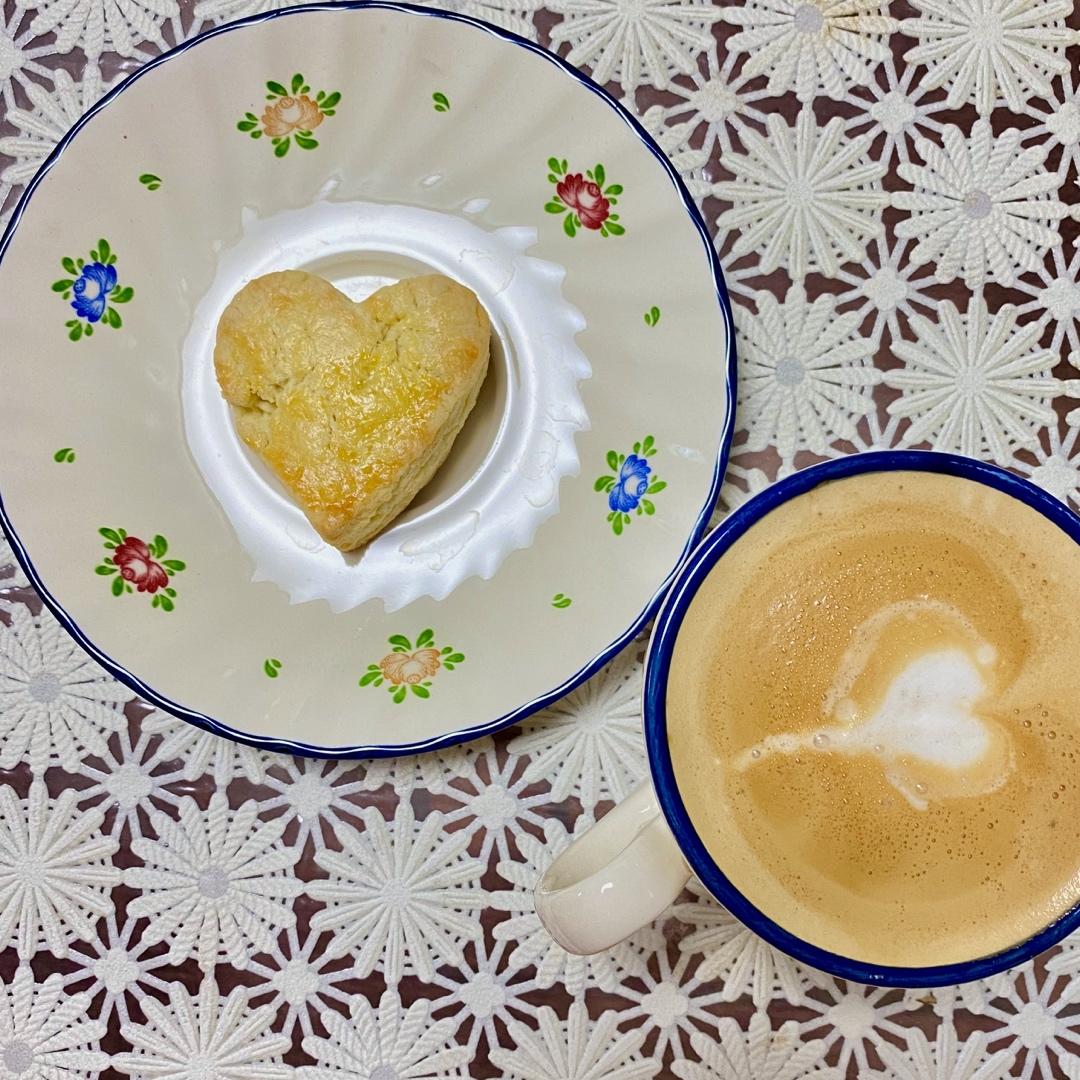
x: 354, y: 406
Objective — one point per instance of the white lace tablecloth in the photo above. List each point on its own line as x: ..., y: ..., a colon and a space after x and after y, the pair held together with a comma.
x: 894, y: 193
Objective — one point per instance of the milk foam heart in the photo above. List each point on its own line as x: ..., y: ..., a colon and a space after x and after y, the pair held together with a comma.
x: 928, y: 716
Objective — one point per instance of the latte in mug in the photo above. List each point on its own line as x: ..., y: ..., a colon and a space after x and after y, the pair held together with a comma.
x: 873, y: 715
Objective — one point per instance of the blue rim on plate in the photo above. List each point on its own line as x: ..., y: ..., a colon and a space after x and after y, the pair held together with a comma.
x: 726, y: 428
x: 658, y: 665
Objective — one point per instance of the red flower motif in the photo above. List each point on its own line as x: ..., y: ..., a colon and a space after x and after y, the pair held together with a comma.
x: 585, y: 198
x: 137, y: 566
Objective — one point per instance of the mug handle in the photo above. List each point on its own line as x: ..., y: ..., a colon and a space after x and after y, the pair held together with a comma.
x: 618, y: 877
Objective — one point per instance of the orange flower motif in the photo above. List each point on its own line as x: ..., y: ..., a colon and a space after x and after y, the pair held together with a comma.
x: 289, y: 114
x: 410, y: 668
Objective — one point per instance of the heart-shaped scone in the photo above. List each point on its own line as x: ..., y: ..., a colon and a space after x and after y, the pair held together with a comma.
x: 354, y: 406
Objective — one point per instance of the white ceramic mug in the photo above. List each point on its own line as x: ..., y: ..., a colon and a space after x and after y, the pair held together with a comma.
x: 636, y: 860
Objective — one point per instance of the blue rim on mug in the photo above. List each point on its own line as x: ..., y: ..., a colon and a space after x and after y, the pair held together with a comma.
x: 657, y: 668
x: 725, y: 429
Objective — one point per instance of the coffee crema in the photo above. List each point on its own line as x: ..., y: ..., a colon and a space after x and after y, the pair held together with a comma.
x: 872, y: 718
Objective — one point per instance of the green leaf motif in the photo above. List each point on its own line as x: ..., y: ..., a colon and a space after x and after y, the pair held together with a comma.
x: 570, y: 223
x: 62, y: 285
x: 277, y: 89
x: 559, y: 600
x: 400, y: 641
x: 282, y: 147
x: 117, y: 586
x: 441, y: 101
x: 399, y: 695
x: 652, y: 316
x: 271, y: 667
x: 152, y: 182
x: 65, y: 455
x: 425, y: 639
x: 69, y: 266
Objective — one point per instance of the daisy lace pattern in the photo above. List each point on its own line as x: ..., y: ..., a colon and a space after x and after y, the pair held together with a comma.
x: 759, y: 1053
x: 807, y: 373
x: 947, y: 1057
x: 589, y: 744
x: 215, y: 884
x: 391, y: 1040
x: 56, y: 871
x: 44, y: 1034
x: 98, y: 26
x: 824, y: 46
x: 975, y: 383
x: 56, y: 705
x: 577, y: 1049
x: 804, y: 197
x: 195, y: 1036
x: 988, y: 51
x: 634, y: 41
x: 730, y: 952
x: 401, y: 895
x: 982, y: 207
x: 203, y: 753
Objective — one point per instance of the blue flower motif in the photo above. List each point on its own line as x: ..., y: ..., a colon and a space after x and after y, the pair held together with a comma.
x: 94, y: 283
x: 631, y: 485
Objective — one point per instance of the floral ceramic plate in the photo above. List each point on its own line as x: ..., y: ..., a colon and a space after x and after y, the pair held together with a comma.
x: 365, y: 143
